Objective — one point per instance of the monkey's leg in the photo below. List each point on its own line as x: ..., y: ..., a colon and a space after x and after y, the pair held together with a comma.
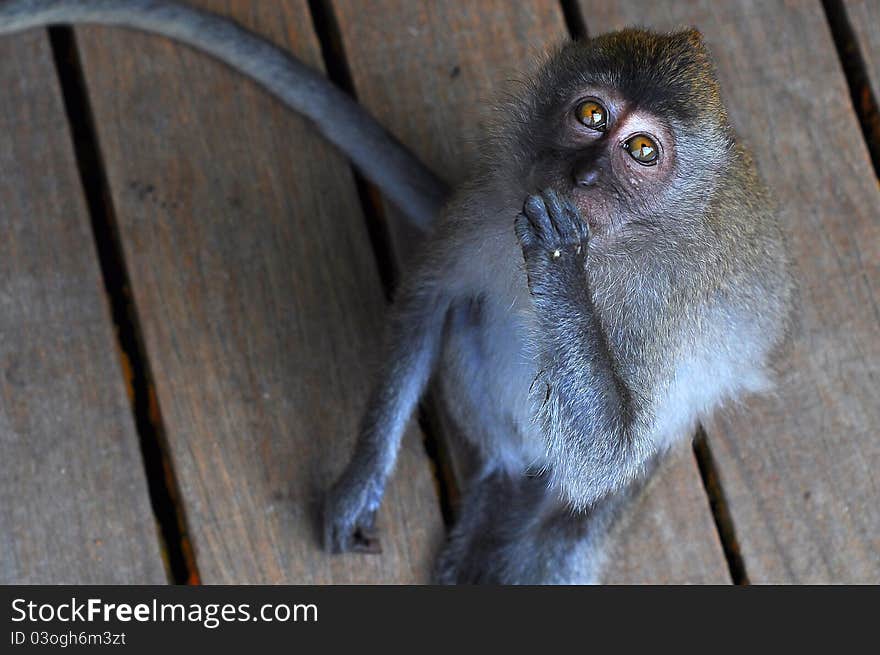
x: 515, y: 530
x: 415, y: 330
x: 473, y: 522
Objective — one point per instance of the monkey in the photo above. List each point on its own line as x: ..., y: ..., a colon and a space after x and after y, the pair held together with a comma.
x: 613, y: 271
x: 610, y: 274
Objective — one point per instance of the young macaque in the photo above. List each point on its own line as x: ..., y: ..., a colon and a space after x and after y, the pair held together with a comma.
x: 611, y: 273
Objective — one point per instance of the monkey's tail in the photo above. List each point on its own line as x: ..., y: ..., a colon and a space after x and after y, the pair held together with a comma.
x: 405, y: 180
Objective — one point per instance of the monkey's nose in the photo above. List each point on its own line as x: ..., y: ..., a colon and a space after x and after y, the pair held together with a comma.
x: 586, y: 177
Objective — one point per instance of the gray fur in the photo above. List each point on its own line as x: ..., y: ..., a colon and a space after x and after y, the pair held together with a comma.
x: 587, y: 328
x: 377, y: 154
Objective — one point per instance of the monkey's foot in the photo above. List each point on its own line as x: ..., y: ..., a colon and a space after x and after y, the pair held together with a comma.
x: 450, y: 567
x: 457, y: 568
x: 504, y: 560
x: 350, y: 519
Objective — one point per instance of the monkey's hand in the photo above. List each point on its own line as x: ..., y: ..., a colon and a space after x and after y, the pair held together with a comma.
x: 350, y: 513
x: 554, y: 240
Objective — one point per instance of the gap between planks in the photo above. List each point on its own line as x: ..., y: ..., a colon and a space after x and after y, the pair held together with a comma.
x: 860, y: 93
x: 578, y: 27
x: 168, y: 512
x: 855, y: 69
x: 348, y: 17
x: 370, y: 198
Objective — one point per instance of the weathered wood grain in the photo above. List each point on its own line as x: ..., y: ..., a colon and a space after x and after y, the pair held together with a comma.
x: 260, y: 303
x: 864, y: 16
x: 429, y: 71
x: 799, y: 469
x: 74, y: 507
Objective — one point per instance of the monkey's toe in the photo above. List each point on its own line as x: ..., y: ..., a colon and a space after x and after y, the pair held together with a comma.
x: 348, y: 527
x: 351, y: 538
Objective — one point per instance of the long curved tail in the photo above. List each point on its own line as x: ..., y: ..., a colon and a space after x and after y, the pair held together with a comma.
x: 401, y: 176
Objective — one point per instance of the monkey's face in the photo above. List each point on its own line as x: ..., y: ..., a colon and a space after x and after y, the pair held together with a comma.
x: 629, y: 126
x: 612, y: 158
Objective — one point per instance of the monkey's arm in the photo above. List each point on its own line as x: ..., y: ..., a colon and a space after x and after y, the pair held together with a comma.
x: 377, y: 154
x: 593, y: 420
x: 414, y: 337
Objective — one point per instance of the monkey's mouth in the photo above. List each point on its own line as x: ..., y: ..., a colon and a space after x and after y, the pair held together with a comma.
x: 594, y: 208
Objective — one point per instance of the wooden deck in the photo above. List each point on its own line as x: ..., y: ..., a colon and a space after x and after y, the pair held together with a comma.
x: 192, y: 287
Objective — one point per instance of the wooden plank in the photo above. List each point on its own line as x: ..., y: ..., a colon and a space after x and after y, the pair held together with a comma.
x: 260, y: 303
x: 428, y: 71
x: 74, y: 507
x: 799, y: 468
x: 864, y: 16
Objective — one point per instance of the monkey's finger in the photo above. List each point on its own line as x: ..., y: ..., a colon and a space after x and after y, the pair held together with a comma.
x: 536, y: 211
x: 337, y: 527
x: 333, y: 541
x: 565, y: 217
x: 365, y: 541
x: 364, y: 537
x: 578, y: 222
x: 351, y: 539
x: 524, y: 232
x: 556, y: 211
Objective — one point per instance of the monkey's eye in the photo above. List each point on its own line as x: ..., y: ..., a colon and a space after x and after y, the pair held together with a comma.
x: 642, y: 148
x: 593, y: 115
